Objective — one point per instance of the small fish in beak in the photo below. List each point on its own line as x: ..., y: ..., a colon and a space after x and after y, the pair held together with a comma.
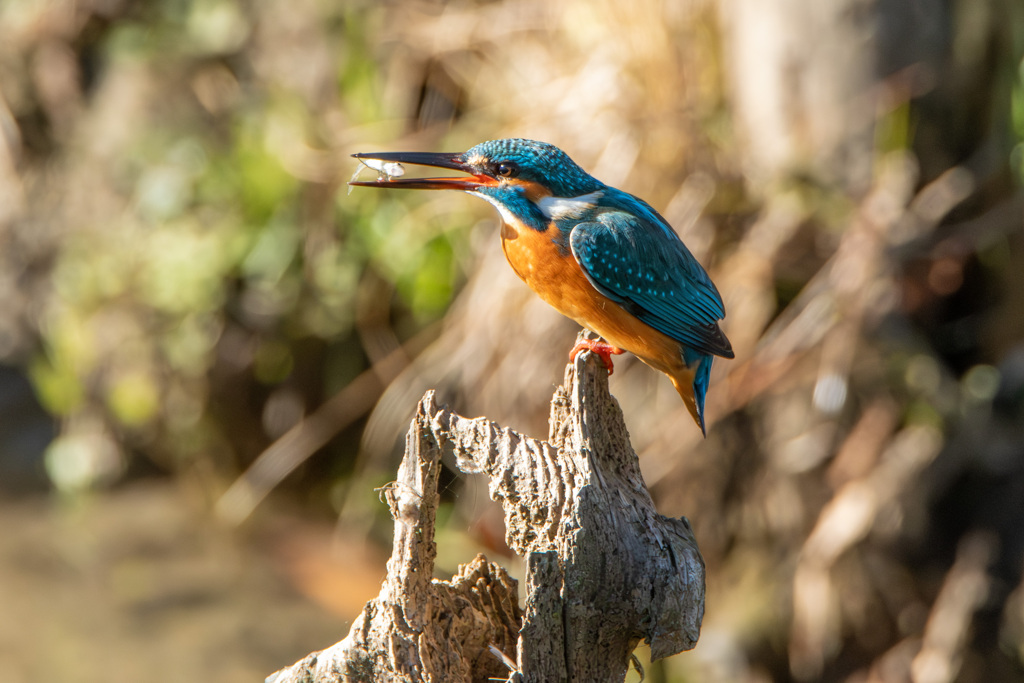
x: 386, y: 170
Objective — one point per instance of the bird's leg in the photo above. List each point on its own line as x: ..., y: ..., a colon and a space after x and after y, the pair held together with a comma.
x: 602, y: 349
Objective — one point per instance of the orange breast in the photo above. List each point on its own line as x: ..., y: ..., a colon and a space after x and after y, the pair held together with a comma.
x: 554, y: 274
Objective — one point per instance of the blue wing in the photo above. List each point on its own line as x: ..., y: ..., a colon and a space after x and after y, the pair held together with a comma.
x: 649, y: 271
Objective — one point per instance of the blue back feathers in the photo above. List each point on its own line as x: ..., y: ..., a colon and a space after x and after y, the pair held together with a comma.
x: 653, y: 276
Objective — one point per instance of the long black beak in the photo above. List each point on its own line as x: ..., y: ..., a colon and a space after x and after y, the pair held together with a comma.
x: 380, y: 161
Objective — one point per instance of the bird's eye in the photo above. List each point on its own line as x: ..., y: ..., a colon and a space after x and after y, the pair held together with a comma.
x: 507, y: 169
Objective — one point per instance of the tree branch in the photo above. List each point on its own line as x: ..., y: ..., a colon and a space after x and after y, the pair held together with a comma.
x: 604, y: 570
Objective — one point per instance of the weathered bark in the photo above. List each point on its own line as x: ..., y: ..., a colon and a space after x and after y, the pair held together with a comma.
x: 418, y: 629
x: 604, y: 570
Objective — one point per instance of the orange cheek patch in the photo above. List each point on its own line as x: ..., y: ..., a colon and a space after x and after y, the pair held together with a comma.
x: 533, y: 191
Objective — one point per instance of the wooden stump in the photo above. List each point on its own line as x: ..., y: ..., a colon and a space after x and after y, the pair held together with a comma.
x: 604, y: 570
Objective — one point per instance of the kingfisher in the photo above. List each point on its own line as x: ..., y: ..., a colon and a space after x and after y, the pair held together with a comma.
x: 598, y: 255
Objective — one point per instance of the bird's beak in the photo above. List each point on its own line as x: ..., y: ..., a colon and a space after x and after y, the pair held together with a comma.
x: 386, y: 163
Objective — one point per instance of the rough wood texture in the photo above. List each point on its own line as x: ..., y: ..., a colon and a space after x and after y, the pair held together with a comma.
x: 604, y: 570
x: 419, y: 629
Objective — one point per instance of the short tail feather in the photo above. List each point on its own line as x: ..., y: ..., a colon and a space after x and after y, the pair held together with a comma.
x: 692, y: 384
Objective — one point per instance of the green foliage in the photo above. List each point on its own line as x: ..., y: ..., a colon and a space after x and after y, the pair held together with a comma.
x: 209, y: 207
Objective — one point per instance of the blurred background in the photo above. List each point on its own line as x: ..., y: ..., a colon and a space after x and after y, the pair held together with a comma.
x: 210, y: 350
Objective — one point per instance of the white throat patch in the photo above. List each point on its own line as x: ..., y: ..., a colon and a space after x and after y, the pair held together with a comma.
x: 506, y: 215
x: 555, y: 208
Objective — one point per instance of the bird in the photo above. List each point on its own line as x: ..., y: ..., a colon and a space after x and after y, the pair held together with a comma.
x: 599, y: 255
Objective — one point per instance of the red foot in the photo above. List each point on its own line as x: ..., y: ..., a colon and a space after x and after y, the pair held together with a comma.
x: 602, y: 349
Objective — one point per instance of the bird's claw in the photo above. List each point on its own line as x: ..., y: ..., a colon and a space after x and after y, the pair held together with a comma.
x: 603, y: 349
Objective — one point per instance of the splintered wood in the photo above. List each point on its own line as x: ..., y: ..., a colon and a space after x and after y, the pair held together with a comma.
x: 604, y: 570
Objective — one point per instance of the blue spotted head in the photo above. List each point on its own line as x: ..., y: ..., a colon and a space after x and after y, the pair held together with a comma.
x: 528, y: 162
x: 525, y: 179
